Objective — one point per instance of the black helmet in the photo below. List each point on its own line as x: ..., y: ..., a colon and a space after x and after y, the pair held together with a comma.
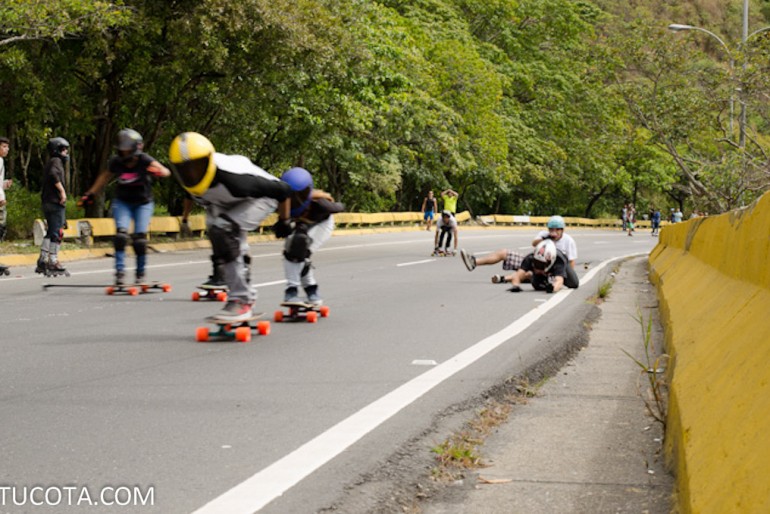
x: 129, y: 140
x: 56, y: 145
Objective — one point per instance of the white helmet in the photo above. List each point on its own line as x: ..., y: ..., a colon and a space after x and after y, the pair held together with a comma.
x: 545, y: 253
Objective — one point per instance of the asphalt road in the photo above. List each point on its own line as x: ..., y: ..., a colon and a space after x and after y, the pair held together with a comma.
x: 111, y: 394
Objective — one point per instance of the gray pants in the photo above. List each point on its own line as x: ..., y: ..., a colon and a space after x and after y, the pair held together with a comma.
x: 248, y: 214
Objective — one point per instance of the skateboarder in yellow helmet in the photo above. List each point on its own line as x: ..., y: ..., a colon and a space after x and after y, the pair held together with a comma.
x: 238, y: 196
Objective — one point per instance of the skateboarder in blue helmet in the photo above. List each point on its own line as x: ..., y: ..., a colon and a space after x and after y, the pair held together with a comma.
x: 564, y: 242
x: 312, y: 217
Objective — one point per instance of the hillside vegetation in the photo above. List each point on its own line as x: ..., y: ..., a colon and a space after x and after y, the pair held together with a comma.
x: 528, y: 106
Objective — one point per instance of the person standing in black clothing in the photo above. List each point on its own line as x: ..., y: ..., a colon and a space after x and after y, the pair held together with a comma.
x: 54, y: 197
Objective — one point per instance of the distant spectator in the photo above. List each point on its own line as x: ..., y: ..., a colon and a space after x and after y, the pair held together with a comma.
x: 676, y: 216
x: 5, y: 183
x: 655, y: 218
x: 429, y: 208
x: 449, y: 198
x: 630, y: 219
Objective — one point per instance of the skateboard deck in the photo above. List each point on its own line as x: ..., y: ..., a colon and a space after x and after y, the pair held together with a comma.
x: 210, y: 293
x: 301, y: 310
x: 135, y: 289
x: 442, y: 253
x: 228, y: 331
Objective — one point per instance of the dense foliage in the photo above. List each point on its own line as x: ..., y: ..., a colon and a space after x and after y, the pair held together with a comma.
x: 539, y: 106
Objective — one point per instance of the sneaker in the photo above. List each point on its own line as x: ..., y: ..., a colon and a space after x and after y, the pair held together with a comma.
x: 120, y: 278
x: 235, y: 311
x: 214, y: 282
x: 468, y: 260
x: 515, y: 289
x: 140, y: 278
x: 290, y: 295
x: 498, y: 279
x: 313, y: 298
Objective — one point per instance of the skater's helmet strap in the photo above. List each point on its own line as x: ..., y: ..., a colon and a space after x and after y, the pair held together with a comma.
x: 192, y: 159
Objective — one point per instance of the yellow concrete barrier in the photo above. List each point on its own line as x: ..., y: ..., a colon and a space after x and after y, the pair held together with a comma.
x: 713, y: 280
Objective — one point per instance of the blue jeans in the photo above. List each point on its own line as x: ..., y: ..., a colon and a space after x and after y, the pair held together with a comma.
x: 140, y: 213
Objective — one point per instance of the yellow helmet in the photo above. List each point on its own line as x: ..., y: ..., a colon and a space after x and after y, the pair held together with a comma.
x: 192, y: 156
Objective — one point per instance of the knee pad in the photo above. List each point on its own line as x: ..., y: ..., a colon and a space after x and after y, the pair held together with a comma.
x: 225, y: 242
x: 306, y: 268
x: 297, y: 247
x: 55, y: 236
x: 120, y: 240
x: 139, y: 242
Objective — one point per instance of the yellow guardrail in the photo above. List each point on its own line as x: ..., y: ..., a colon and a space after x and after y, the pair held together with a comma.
x: 88, y: 229
x: 713, y: 280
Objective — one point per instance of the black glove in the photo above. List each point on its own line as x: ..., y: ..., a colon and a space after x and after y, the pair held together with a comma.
x: 549, y: 288
x: 282, y: 229
x: 86, y: 199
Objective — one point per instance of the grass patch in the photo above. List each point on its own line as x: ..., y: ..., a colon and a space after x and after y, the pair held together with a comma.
x: 461, y: 451
x: 652, y: 384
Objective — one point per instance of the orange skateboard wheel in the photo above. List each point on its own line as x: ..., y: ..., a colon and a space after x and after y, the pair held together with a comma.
x: 243, y: 334
x: 202, y: 334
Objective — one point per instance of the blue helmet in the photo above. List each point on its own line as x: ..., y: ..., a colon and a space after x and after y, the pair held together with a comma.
x: 300, y: 181
x: 556, y: 222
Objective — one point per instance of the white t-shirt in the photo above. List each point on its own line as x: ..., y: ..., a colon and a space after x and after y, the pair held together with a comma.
x: 566, y: 244
x: 451, y: 224
x: 2, y: 179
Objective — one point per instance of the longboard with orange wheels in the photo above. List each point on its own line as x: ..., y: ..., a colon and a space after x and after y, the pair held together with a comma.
x: 233, y: 331
x: 135, y: 289
x: 210, y: 293
x: 301, y: 310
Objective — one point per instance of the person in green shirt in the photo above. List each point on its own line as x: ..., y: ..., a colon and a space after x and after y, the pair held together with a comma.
x: 449, y: 197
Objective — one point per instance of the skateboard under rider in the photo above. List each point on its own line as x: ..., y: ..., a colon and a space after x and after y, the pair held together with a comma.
x: 233, y: 331
x: 210, y: 292
x: 300, y: 310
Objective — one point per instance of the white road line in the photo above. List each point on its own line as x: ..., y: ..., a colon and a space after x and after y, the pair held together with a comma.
x: 265, y: 486
x: 414, y: 262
